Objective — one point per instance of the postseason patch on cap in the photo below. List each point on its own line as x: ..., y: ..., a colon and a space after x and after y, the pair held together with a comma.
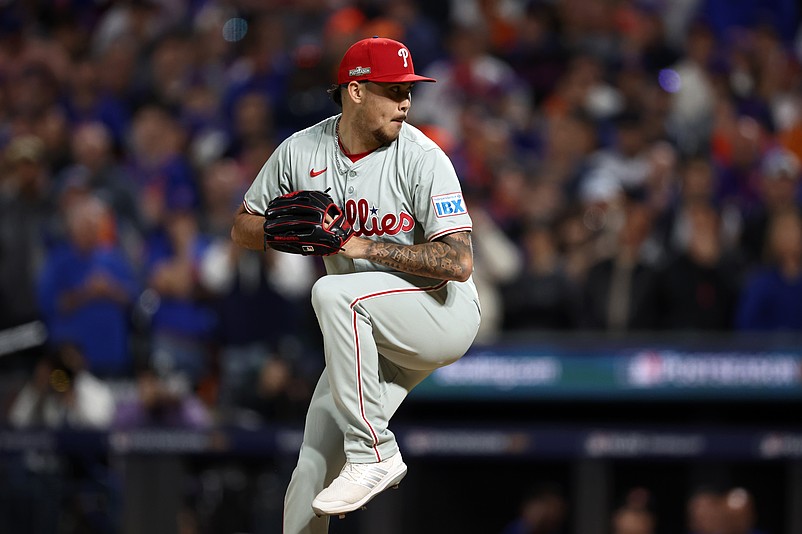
x: 449, y: 205
x: 359, y: 71
x: 379, y: 59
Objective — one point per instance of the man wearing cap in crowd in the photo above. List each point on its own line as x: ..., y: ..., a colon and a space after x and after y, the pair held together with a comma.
x: 26, y: 212
x: 778, y: 189
x: 397, y: 302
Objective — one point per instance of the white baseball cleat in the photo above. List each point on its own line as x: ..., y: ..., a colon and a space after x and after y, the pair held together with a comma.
x: 357, y: 484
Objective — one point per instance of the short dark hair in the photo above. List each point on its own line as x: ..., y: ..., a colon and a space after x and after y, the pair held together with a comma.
x: 335, y: 92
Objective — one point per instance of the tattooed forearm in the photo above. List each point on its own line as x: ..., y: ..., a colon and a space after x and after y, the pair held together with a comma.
x: 450, y: 258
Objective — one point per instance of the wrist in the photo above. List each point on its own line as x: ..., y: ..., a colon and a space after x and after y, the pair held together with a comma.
x: 356, y: 247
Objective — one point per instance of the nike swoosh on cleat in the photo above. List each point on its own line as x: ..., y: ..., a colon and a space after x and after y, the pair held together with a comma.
x: 314, y: 173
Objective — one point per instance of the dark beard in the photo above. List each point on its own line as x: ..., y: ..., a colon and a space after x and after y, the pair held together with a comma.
x: 382, y: 138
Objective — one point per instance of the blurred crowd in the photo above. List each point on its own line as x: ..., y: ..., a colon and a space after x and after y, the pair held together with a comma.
x: 628, y: 164
x: 708, y: 510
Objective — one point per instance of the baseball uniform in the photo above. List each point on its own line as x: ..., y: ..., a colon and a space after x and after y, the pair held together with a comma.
x: 384, y: 331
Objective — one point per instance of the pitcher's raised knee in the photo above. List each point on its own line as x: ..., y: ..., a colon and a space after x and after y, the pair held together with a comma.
x: 328, y: 291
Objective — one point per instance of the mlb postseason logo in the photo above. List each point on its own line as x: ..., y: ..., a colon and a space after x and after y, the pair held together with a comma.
x: 448, y: 205
x: 359, y: 71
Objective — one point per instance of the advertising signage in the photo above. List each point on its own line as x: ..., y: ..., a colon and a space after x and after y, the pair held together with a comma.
x: 605, y: 369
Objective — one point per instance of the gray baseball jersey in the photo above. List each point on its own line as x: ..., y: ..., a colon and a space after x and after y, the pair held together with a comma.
x: 406, y: 193
x: 383, y: 331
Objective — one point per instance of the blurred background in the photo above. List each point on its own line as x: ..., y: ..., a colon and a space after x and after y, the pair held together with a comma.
x: 632, y: 168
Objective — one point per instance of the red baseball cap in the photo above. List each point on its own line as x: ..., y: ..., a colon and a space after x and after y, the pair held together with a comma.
x: 378, y: 59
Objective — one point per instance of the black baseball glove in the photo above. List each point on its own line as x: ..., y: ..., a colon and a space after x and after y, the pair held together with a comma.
x: 297, y: 223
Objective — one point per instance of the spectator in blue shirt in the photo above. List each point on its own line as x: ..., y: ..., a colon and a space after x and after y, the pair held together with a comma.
x: 772, y: 296
x: 86, y: 288
x: 183, y: 321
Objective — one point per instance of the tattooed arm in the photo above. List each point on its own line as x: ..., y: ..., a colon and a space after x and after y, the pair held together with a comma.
x: 448, y: 258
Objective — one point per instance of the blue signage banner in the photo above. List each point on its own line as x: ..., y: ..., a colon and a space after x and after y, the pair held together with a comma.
x: 604, y: 369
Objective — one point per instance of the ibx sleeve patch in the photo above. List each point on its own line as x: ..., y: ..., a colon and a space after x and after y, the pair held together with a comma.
x: 449, y: 205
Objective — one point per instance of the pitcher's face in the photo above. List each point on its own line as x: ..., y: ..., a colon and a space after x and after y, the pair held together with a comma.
x: 384, y: 109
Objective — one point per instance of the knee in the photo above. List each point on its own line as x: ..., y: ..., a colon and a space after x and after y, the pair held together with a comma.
x: 327, y: 293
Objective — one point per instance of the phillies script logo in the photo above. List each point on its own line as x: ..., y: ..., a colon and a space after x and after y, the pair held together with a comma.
x: 366, y: 220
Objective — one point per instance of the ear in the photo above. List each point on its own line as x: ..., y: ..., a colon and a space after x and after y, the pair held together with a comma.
x: 355, y: 92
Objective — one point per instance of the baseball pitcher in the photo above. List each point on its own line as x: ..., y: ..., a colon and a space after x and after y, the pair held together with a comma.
x: 382, y: 204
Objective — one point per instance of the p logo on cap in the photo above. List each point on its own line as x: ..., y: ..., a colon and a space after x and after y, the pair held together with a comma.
x: 378, y: 59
